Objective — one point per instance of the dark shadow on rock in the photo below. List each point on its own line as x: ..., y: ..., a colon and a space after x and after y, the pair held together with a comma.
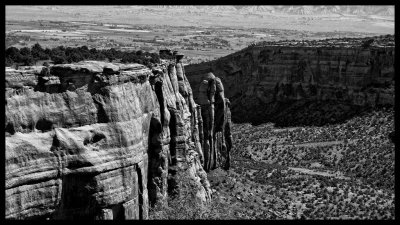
x: 301, y: 113
x: 44, y: 125
x: 10, y: 128
x: 154, y: 160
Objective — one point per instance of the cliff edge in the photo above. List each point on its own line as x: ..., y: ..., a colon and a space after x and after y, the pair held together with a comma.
x: 304, y: 83
x: 97, y: 140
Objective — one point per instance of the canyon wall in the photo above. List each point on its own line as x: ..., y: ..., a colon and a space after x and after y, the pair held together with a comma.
x: 96, y: 140
x: 267, y: 83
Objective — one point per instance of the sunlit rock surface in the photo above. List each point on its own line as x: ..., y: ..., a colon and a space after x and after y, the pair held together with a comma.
x: 96, y: 140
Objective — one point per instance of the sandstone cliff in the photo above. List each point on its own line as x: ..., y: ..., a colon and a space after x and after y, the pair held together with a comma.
x: 301, y: 82
x: 96, y: 140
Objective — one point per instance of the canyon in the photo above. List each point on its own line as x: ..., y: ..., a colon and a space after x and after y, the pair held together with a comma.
x: 98, y: 140
x: 108, y: 141
x: 297, y: 82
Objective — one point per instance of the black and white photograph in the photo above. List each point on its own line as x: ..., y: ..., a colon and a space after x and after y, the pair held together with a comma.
x: 199, y: 112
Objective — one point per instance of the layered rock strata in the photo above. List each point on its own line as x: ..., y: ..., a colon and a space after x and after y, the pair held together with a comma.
x: 262, y: 80
x: 96, y: 140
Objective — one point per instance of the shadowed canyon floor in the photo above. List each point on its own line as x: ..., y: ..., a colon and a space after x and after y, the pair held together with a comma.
x: 342, y: 171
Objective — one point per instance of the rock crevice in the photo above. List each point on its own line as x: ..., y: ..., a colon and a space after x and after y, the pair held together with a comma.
x: 96, y: 140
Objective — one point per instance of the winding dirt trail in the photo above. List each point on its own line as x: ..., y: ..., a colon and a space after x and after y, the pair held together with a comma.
x: 321, y: 173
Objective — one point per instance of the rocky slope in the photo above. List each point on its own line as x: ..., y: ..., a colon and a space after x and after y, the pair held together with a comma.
x: 275, y: 81
x: 96, y: 140
x: 341, y: 171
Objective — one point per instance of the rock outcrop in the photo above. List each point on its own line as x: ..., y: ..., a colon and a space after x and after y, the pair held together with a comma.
x: 96, y: 140
x: 265, y: 81
x: 215, y: 112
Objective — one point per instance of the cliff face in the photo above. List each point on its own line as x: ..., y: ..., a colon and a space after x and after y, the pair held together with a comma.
x: 96, y: 140
x: 265, y: 82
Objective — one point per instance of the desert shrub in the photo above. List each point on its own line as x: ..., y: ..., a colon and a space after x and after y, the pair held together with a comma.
x: 9, y: 61
x: 182, y: 204
x: 61, y: 54
x: 38, y: 52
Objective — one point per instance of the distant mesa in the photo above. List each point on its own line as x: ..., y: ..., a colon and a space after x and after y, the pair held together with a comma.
x: 304, y: 82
